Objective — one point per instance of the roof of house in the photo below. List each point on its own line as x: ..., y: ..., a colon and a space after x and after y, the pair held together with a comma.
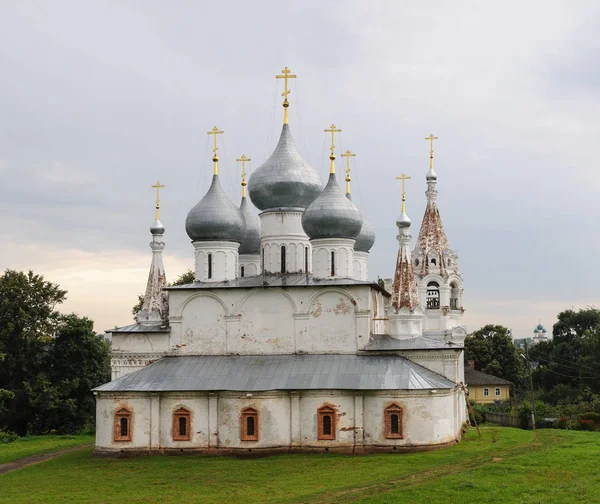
x: 382, y: 342
x: 474, y: 377
x: 141, y: 328
x: 249, y: 373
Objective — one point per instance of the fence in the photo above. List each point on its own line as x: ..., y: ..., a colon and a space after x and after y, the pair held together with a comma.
x: 505, y: 419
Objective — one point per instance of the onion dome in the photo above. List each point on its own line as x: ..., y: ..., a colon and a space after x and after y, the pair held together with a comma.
x: 251, y: 240
x: 366, y: 238
x: 403, y: 221
x: 431, y: 175
x: 284, y: 180
x: 157, y: 228
x: 331, y: 214
x: 215, y: 217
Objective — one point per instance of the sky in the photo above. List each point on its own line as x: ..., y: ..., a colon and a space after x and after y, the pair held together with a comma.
x: 100, y: 99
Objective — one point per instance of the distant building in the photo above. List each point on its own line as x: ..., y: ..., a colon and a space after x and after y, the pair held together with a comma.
x: 539, y: 334
x: 485, y: 388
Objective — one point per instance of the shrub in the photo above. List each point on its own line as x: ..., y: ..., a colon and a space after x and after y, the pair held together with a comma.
x: 586, y: 425
x: 594, y: 417
x: 7, y: 437
x: 563, y: 423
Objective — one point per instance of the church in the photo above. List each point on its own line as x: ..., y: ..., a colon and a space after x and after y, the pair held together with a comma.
x: 283, y: 343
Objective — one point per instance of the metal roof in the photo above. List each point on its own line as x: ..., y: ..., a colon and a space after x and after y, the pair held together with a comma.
x: 278, y: 280
x: 380, y: 342
x: 474, y: 377
x: 140, y: 328
x: 253, y: 373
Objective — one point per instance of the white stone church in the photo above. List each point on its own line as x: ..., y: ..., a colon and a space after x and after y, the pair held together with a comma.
x: 283, y: 343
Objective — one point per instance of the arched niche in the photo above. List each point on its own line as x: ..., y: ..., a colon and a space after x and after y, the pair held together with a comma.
x: 203, y: 324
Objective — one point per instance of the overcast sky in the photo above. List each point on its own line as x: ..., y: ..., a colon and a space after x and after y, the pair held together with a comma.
x: 98, y: 100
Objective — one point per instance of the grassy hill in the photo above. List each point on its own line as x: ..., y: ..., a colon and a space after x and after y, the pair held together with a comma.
x: 507, y: 465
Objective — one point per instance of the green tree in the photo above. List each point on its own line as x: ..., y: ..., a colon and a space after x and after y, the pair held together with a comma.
x: 28, y: 321
x: 185, y: 278
x: 493, y: 351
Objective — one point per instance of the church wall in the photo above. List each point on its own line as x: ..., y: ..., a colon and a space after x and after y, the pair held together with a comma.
x: 197, y: 404
x: 448, y: 363
x: 140, y: 342
x: 343, y: 402
x: 139, y: 405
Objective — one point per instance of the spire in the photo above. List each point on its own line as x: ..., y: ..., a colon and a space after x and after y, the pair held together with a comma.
x: 432, y: 236
x: 286, y: 75
x: 404, y: 290
x: 243, y: 160
x: 333, y: 130
x: 214, y: 132
x: 348, y: 155
x: 155, y: 307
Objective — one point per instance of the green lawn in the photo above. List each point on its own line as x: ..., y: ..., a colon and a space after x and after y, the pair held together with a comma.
x: 507, y: 465
x: 24, y: 447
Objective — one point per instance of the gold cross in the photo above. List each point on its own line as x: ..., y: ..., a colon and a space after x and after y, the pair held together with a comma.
x: 214, y: 132
x: 333, y: 130
x: 286, y: 75
x: 348, y: 155
x: 243, y: 160
x: 158, y: 186
x: 403, y: 177
x: 431, y: 138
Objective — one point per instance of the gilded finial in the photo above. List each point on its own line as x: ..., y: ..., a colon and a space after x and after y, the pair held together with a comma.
x: 333, y: 130
x: 158, y: 186
x: 348, y: 155
x: 286, y: 75
x: 431, y: 138
x: 243, y: 160
x: 214, y: 132
x: 403, y: 177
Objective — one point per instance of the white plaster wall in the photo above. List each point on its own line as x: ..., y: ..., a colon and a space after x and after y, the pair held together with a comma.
x: 448, y: 363
x: 342, y: 402
x: 203, y: 324
x: 361, y: 265
x: 251, y: 264
x: 224, y: 260
x: 140, y: 342
x: 343, y: 250
x: 279, y: 228
x: 141, y: 422
x: 198, y: 406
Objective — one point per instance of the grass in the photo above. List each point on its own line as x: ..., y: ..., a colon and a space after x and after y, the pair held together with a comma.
x: 507, y: 465
x: 35, y: 445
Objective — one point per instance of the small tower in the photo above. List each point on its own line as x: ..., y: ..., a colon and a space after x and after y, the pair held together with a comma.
x: 332, y: 223
x: 282, y: 187
x: 155, y: 308
x: 405, y: 315
x: 216, y: 227
x: 249, y: 253
x: 365, y: 239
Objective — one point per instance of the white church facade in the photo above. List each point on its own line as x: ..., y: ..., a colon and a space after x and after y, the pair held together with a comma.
x: 282, y: 343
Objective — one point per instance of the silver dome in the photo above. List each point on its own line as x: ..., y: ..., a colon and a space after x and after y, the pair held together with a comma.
x: 431, y: 175
x: 157, y: 228
x: 403, y: 221
x: 251, y: 239
x: 366, y: 238
x: 284, y: 180
x: 331, y: 214
x: 215, y: 217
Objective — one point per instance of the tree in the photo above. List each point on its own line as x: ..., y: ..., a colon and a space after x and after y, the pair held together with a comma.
x: 185, y: 278
x: 28, y: 321
x: 493, y: 351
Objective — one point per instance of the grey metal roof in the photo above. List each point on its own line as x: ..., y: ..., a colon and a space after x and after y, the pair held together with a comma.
x: 278, y: 280
x: 285, y: 180
x: 251, y: 240
x: 474, y: 377
x: 379, y: 342
x: 366, y: 238
x: 140, y: 328
x: 254, y: 373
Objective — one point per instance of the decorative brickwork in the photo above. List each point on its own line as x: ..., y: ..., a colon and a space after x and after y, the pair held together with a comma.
x: 182, y: 419
x: 326, y: 422
x: 122, y: 425
x: 393, y: 422
x: 250, y: 425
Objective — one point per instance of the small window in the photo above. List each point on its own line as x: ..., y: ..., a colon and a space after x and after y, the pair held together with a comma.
x: 449, y: 262
x: 242, y: 271
x: 262, y: 260
x: 283, y: 259
x: 393, y: 422
x: 486, y: 391
x: 122, y: 427
x: 249, y: 424
x: 416, y: 262
x: 433, y: 261
x: 209, y: 265
x: 433, y: 296
x: 306, y: 259
x: 181, y: 425
x: 332, y: 263
x: 326, y: 422
x: 498, y: 392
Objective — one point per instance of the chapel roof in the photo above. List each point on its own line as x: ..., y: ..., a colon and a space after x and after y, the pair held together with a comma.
x: 254, y: 373
x: 474, y: 377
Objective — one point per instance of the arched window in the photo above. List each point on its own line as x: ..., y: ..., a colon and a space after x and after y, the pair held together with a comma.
x: 449, y: 262
x: 393, y: 421
x: 209, y: 266
x: 249, y: 423
x: 454, y: 296
x: 416, y: 262
x: 306, y: 259
x: 332, y: 263
x: 181, y: 425
x: 326, y: 422
x: 433, y: 296
x: 433, y: 261
x: 283, y: 259
x: 122, y: 429
x: 262, y: 253
x: 242, y: 271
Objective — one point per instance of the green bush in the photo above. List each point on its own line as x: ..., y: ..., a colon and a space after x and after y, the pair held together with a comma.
x: 563, y: 423
x: 594, y: 417
x: 7, y: 437
x: 586, y: 425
